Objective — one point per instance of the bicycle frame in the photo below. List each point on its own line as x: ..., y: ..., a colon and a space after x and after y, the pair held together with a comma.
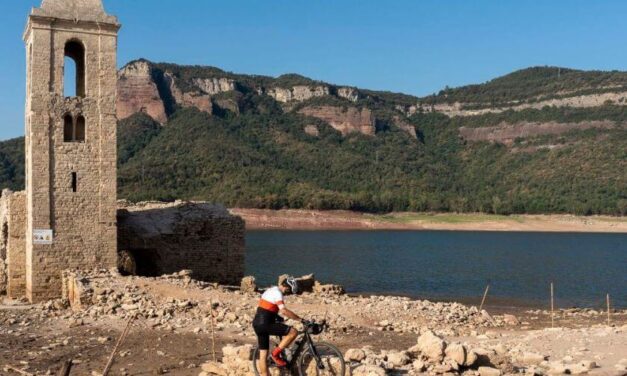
x: 304, y: 341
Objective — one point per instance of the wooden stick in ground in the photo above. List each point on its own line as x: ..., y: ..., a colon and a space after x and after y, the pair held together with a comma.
x: 117, y: 346
x: 552, y: 307
x: 21, y: 372
x: 485, y: 295
x: 65, y: 370
x: 608, y: 309
x: 213, y: 336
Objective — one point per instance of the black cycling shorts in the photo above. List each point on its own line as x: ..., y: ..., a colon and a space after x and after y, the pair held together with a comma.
x: 265, y: 329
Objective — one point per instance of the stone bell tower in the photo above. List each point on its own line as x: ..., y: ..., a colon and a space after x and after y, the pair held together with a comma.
x: 70, y: 142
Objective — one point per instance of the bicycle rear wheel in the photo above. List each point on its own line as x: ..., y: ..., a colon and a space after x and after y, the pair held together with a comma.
x: 331, y: 359
x: 273, y: 370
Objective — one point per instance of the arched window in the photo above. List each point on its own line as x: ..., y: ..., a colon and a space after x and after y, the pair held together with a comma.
x: 73, y: 130
x: 68, y: 128
x: 74, y: 70
x: 79, y: 129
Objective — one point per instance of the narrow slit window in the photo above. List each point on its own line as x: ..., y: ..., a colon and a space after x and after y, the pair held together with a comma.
x: 74, y: 69
x: 74, y: 182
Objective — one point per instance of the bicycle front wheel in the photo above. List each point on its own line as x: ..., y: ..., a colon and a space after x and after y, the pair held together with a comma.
x: 327, y: 361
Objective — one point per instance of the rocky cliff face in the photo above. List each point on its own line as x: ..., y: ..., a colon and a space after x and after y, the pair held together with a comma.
x: 298, y: 93
x: 405, y: 126
x: 158, y: 89
x: 346, y: 121
x: 196, y: 99
x: 348, y: 93
x: 506, y: 133
x: 137, y: 92
x: 213, y: 86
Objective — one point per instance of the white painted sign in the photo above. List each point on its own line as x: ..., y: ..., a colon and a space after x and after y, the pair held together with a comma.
x: 42, y: 237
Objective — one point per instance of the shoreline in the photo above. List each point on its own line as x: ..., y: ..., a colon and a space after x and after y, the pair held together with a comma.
x: 313, y: 220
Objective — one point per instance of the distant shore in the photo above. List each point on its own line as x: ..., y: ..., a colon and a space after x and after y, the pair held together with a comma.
x: 261, y: 219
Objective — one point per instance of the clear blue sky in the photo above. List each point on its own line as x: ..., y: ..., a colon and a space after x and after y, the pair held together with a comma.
x: 411, y: 46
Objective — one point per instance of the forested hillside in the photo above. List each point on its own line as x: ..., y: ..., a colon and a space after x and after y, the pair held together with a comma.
x: 292, y: 142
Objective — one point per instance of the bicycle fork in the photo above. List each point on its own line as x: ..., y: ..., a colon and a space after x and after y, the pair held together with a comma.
x: 313, y: 350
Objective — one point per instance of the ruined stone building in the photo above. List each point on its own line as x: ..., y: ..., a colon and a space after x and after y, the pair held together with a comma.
x: 67, y: 217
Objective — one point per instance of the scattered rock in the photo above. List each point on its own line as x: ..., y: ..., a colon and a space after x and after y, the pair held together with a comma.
x: 249, y: 285
x: 431, y: 346
x: 355, y: 355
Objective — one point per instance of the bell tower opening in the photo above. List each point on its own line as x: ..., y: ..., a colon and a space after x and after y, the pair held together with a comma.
x: 74, y: 70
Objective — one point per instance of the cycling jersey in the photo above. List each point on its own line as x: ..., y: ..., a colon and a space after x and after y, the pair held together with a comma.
x: 266, y: 321
x: 272, y: 300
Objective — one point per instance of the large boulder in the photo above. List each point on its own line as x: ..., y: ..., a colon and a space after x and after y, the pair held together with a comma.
x: 355, y: 355
x: 398, y: 359
x: 431, y: 346
x: 456, y: 352
x: 471, y: 358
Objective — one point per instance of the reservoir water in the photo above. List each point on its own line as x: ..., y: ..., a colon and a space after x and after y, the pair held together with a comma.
x: 451, y: 265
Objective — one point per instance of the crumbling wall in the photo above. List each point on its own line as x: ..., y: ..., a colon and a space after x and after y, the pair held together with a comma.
x: 13, y: 243
x: 4, y: 238
x: 77, y: 290
x: 16, y: 245
x: 166, y: 238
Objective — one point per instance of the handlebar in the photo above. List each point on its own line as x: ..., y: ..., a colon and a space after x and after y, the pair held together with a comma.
x: 312, y: 327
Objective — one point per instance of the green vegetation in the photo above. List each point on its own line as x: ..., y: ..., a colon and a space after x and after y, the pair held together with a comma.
x: 267, y: 161
x: 533, y: 84
x: 254, y: 153
x: 547, y: 114
x: 12, y: 164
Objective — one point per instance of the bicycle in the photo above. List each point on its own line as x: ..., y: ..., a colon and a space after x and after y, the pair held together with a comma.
x: 306, y: 357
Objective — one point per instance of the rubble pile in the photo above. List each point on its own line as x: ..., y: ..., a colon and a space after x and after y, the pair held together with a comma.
x: 452, y: 339
x: 431, y: 355
x: 452, y: 318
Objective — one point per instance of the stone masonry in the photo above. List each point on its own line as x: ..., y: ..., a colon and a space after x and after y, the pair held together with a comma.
x: 166, y: 238
x: 13, y: 243
x: 70, y: 142
x: 67, y: 219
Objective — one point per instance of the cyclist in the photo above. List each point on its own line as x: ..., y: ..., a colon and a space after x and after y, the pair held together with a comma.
x: 267, y: 322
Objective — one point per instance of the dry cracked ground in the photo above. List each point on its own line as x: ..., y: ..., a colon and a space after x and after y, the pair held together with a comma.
x: 379, y: 335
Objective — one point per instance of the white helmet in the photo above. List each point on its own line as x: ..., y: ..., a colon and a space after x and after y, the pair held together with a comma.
x: 291, y: 282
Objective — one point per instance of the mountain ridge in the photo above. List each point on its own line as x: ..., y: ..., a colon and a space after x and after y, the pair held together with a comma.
x: 292, y: 142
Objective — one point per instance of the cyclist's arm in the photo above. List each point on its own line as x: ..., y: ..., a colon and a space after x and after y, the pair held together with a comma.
x: 289, y: 314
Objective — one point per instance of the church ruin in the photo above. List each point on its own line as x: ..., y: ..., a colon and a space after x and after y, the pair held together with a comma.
x: 67, y: 217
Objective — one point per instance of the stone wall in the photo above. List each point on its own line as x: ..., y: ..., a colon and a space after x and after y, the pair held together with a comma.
x: 13, y: 244
x: 16, y: 245
x: 167, y: 238
x: 71, y: 186
x: 4, y: 238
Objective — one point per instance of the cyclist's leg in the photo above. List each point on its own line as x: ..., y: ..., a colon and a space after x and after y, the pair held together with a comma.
x: 285, y: 332
x: 288, y: 338
x: 262, y: 366
x: 263, y: 338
